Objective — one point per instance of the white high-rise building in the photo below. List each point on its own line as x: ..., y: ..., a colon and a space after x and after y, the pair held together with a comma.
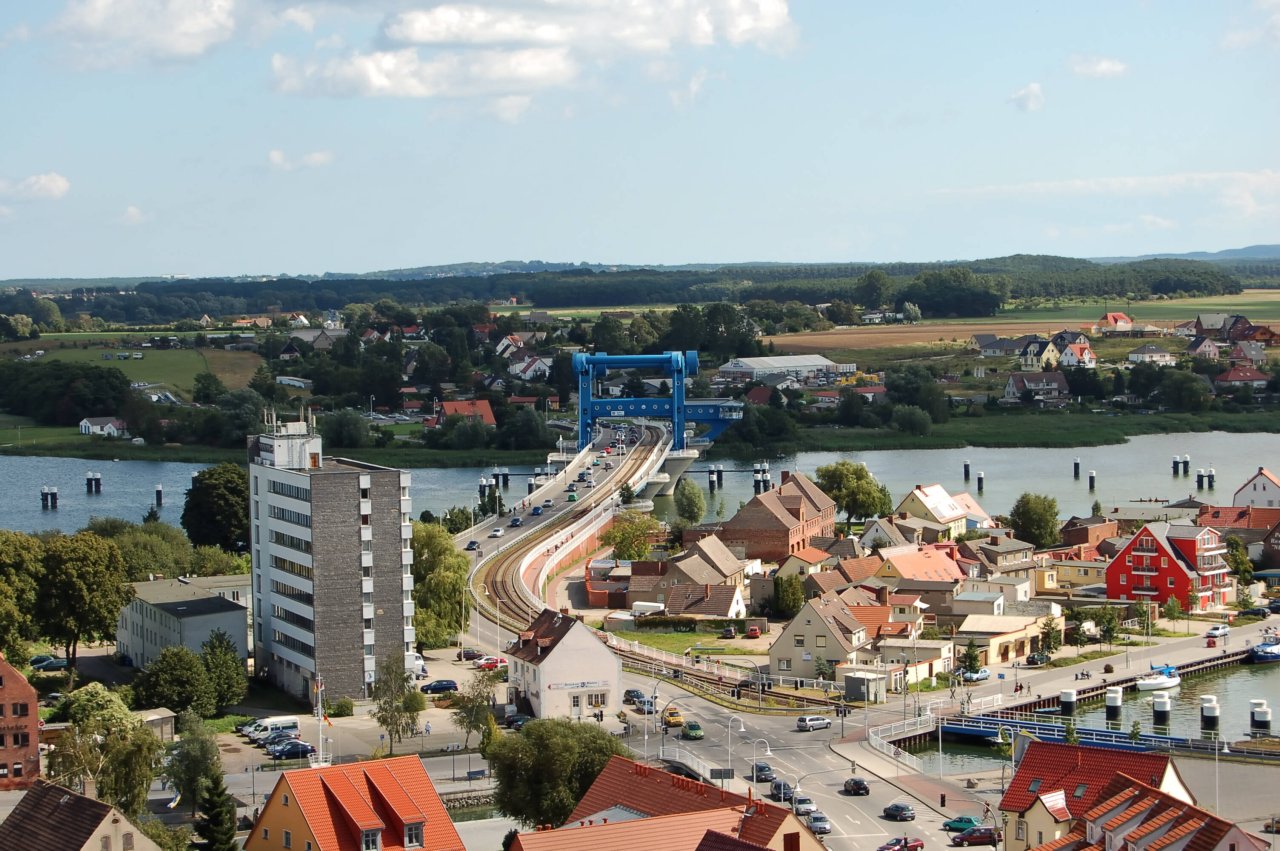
x: 332, y: 563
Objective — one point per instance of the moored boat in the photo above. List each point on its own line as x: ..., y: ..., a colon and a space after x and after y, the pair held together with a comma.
x: 1160, y: 677
x: 1267, y: 651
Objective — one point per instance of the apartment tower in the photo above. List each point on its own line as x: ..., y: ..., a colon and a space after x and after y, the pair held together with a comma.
x: 332, y: 563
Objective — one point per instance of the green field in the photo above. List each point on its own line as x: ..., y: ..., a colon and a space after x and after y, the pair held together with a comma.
x: 679, y: 642
x: 1259, y: 305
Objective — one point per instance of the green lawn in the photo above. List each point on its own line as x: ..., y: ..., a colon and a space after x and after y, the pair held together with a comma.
x: 226, y: 724
x: 172, y: 369
x: 1258, y: 305
x: 679, y: 642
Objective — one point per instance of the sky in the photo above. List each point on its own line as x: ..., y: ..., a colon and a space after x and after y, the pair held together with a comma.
x: 230, y: 137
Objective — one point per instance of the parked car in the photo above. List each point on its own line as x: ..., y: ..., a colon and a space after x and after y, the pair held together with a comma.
x: 51, y: 665
x: 856, y: 786
x: 518, y: 719
x: 493, y: 663
x: 1256, y: 612
x: 632, y: 695
x: 646, y: 706
x: 762, y: 772
x: 482, y: 661
x: 980, y: 835
x: 439, y: 687
x: 293, y: 749
x: 672, y: 717
x: 692, y: 730
x: 1274, y: 607
x: 519, y: 723
x: 780, y: 790
x: 900, y: 812
x: 960, y: 823
x: 278, y: 738
x: 728, y: 632
x: 469, y: 654
x: 472, y: 546
x: 806, y: 723
x: 902, y: 843
x: 819, y: 823
x: 1218, y: 630
x: 802, y: 804
x: 1037, y: 659
x: 977, y: 676
x: 753, y: 632
x: 516, y: 523
x: 41, y: 659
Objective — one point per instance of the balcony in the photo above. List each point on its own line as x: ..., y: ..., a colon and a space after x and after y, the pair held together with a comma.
x: 1146, y: 589
x: 1149, y: 570
x: 1212, y: 550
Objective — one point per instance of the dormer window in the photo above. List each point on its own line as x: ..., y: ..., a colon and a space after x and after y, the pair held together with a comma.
x: 413, y: 835
x: 371, y: 840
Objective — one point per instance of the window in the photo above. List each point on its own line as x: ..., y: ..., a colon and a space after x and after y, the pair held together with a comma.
x: 20, y: 710
x: 784, y: 664
x: 308, y: 847
x: 1164, y: 561
x: 4, y: 771
x: 1124, y: 579
x: 17, y: 769
x: 1129, y: 560
x: 105, y: 844
x: 371, y: 841
x: 820, y: 641
x: 1, y: 740
x: 1080, y: 790
x: 286, y: 800
x: 799, y: 641
x: 288, y: 839
x: 21, y: 740
x: 576, y: 701
x: 126, y: 842
x: 1035, y: 786
x: 413, y: 835
x: 1170, y: 581
x: 266, y: 833
x: 1021, y: 830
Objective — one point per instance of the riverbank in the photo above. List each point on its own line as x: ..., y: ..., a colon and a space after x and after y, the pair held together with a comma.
x: 1013, y: 429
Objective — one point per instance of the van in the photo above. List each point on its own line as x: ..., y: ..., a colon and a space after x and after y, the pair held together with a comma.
x: 276, y: 724
x: 417, y: 665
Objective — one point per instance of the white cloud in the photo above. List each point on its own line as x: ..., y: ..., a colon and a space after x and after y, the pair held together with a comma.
x: 1154, y: 222
x: 134, y: 215
x: 1029, y: 98
x: 686, y: 96
x: 1266, y: 29
x: 5, y: 213
x: 403, y: 73
x: 315, y: 159
x: 49, y: 186
x: 1096, y: 66
x: 331, y: 42
x: 301, y: 18
x: 121, y: 31
x: 511, y: 108
x: 17, y: 34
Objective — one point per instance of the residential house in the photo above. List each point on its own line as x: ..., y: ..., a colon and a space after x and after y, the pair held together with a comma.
x: 706, y: 561
x: 918, y: 563
x: 1000, y: 638
x: 978, y: 342
x: 1271, y: 556
x: 289, y: 352
x: 19, y: 731
x: 932, y: 502
x: 872, y: 393
x: 1042, y: 386
x: 1237, y: 328
x: 1263, y: 334
x: 1204, y: 347
x: 1248, y: 523
x: 1131, y: 814
x: 857, y: 570
x: 174, y: 613
x: 885, y: 532
x: 758, y: 396
x: 977, y: 603
x: 530, y: 368
x: 1078, y: 355
x: 705, y: 830
x: 913, y: 660
x: 1248, y: 353
x: 1113, y: 323
x: 1261, y: 489
x: 1056, y: 783
x: 472, y: 409
x: 1172, y: 560
x: 776, y: 523
x: 1153, y: 354
x: 706, y: 601
x: 383, y: 804
x: 839, y: 545
x: 508, y: 346
x: 205, y: 321
x: 1067, y: 337
x: 823, y: 629
x: 1213, y: 325
x: 1038, y: 356
x: 564, y: 669
x: 104, y: 427
x: 999, y: 553
x: 1240, y: 376
x: 1088, y: 530
x: 1001, y: 347
x: 1066, y: 575
x: 52, y: 817
x: 298, y: 320
x: 976, y: 517
x: 824, y: 582
x: 628, y: 791
x: 806, y: 561
x: 935, y: 594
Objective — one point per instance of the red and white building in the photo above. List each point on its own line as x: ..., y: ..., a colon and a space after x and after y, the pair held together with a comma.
x: 1172, y: 561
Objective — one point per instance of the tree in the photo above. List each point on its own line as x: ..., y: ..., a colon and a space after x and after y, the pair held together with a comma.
x: 971, y: 659
x: 1172, y: 609
x: 1135, y: 732
x: 855, y: 491
x: 629, y: 535
x: 1108, y: 625
x: 176, y: 679
x: 1069, y: 734
x: 1189, y: 607
x: 207, y: 388
x: 474, y: 703
x: 212, y: 561
x: 346, y: 429
x: 457, y: 519
x: 1050, y: 635
x: 1034, y: 519
x: 106, y: 744
x: 690, y: 505
x: 83, y: 590
x: 392, y: 684
x: 21, y: 569
x: 788, y: 596
x: 1184, y: 391
x: 216, y: 512
x: 217, y: 825
x: 542, y: 773
x: 909, y: 419
x: 194, y: 761
x: 1237, y: 559
x: 490, y: 734
x: 440, y: 586
x: 1096, y: 509
x: 227, y: 675
x: 910, y: 312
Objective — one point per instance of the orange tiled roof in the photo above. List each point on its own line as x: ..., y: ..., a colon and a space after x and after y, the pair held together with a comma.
x: 876, y: 620
x: 676, y: 832
x: 858, y: 569
x: 1067, y: 767
x: 811, y: 555
x: 470, y: 408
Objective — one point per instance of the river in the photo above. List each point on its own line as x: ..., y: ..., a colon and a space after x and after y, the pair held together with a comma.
x: 1139, y: 469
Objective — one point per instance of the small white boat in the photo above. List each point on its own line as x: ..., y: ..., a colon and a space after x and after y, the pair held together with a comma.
x: 1162, y: 677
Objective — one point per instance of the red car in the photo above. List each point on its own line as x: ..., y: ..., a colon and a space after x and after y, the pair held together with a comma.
x: 493, y: 664
x: 901, y: 843
x: 753, y: 632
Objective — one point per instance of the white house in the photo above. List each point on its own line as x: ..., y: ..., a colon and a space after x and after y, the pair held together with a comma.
x: 103, y: 426
x: 1262, y: 490
x: 172, y: 613
x: 1151, y: 353
x: 564, y: 670
x: 1078, y: 354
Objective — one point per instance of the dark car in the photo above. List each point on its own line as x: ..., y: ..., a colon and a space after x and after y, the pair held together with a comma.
x: 762, y: 772
x: 981, y: 835
x: 536, y: 511
x: 515, y: 722
x: 470, y: 654
x: 631, y: 695
x: 51, y: 665
x: 900, y: 812
x: 902, y: 843
x: 439, y: 687
x: 728, y: 632
x: 40, y: 660
x: 1274, y: 607
x: 472, y: 546
x: 780, y: 790
x: 293, y: 749
x: 856, y: 786
x: 1037, y: 659
x: 516, y: 522
x: 279, y: 737
x: 1256, y: 612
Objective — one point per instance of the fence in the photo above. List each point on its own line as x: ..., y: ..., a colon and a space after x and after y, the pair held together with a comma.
x: 880, y: 739
x: 699, y: 766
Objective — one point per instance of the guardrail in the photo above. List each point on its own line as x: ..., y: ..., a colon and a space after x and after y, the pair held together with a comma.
x: 697, y: 765
x: 551, y: 484
x: 881, y: 737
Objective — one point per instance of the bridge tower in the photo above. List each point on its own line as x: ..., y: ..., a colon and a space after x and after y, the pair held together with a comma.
x: 676, y: 366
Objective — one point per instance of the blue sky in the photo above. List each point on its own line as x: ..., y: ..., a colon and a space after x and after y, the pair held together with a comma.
x: 204, y: 137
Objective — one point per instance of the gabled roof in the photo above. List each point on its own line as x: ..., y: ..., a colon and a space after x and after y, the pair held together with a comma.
x: 971, y: 506
x: 811, y: 555
x: 675, y: 832
x: 708, y: 560
x: 539, y: 638
x: 710, y: 600
x: 827, y: 580
x: 925, y: 563
x: 876, y: 619
x: 51, y: 816
x: 340, y: 800
x: 1052, y: 766
x: 759, y: 395
x: 803, y: 485
x: 1240, y: 373
x: 1243, y: 517
x: 1263, y: 472
x: 938, y: 502
x: 471, y: 408
x: 858, y: 569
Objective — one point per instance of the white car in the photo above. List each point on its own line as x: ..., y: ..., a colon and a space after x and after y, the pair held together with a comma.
x: 1218, y: 630
x: 806, y: 723
x: 497, y: 533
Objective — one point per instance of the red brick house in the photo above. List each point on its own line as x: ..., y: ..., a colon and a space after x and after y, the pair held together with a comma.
x: 19, y: 729
x: 777, y: 523
x: 1172, y: 560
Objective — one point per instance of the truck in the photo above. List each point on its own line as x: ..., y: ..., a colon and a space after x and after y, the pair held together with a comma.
x: 639, y: 610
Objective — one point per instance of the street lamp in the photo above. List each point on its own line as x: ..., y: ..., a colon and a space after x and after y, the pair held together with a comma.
x: 755, y: 748
x: 371, y: 395
x: 742, y: 728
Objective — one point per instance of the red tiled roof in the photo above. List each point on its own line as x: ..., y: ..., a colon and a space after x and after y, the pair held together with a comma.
x: 1240, y: 373
x: 926, y: 564
x: 811, y: 555
x: 1232, y: 517
x: 676, y: 832
x: 759, y: 395
x: 1067, y: 767
x: 387, y: 793
x: 858, y: 569
x: 470, y: 408
x: 876, y: 620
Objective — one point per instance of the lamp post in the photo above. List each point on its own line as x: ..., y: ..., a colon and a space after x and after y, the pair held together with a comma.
x: 755, y: 753
x: 795, y: 790
x: 728, y: 735
x: 1000, y: 731
x: 371, y: 395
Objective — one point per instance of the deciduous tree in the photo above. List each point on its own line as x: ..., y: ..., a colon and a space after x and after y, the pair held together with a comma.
x: 178, y: 680
x: 82, y: 592
x: 788, y: 596
x: 194, y: 761
x: 855, y: 491
x: 629, y: 535
x: 392, y: 684
x: 1034, y: 519
x: 21, y: 569
x: 216, y: 512
x: 474, y: 703
x: 690, y: 504
x: 1050, y: 635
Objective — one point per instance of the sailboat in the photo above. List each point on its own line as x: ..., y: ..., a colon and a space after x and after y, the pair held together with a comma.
x: 1160, y: 677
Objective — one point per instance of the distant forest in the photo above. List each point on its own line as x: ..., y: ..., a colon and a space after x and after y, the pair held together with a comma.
x: 970, y: 288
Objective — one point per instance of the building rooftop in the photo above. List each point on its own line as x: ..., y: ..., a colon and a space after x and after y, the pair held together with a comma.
x: 539, y: 638
x: 51, y: 816
x: 1082, y: 771
x: 182, y: 599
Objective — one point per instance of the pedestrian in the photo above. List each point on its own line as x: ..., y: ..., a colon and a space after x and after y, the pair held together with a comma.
x: 426, y: 727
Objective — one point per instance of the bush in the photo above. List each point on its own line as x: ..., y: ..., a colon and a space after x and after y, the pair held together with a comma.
x: 343, y: 707
x: 666, y: 623
x: 1108, y: 668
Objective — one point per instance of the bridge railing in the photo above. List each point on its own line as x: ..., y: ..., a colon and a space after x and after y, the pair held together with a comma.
x: 881, y: 738
x: 699, y: 766
x: 550, y: 485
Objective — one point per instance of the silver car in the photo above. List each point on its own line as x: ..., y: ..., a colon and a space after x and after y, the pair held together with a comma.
x: 803, y: 805
x: 819, y: 823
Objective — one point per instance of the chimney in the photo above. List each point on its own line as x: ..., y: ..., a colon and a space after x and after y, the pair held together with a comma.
x: 882, y: 594
x: 994, y: 540
x: 786, y: 475
x: 90, y: 787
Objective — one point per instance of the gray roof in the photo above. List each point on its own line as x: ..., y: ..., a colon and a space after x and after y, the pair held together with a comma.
x: 978, y: 596
x: 163, y: 593
x: 199, y: 606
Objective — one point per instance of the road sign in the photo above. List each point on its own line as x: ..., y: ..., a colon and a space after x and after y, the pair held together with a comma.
x: 40, y: 724
x: 999, y: 676
x: 722, y: 774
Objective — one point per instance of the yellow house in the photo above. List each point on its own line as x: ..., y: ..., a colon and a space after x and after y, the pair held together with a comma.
x: 387, y: 804
x: 1056, y: 784
x: 932, y: 502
